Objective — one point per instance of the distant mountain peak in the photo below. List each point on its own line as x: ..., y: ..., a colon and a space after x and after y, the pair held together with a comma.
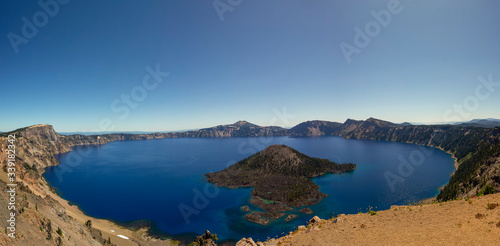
x: 244, y: 123
x: 241, y: 123
x: 350, y: 121
x: 487, y: 123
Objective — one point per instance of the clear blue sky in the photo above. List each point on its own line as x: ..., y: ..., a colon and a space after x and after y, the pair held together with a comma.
x: 264, y: 55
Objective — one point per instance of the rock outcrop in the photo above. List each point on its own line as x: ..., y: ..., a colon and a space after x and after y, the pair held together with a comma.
x: 255, y: 218
x: 290, y: 217
x: 246, y: 242
x: 207, y: 239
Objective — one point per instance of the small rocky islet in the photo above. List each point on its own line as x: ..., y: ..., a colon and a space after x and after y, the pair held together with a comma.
x: 281, y: 177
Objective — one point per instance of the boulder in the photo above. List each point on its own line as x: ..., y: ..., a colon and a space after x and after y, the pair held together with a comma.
x: 255, y: 218
x: 290, y: 217
x: 306, y: 211
x: 206, y: 239
x: 314, y: 220
x: 246, y: 242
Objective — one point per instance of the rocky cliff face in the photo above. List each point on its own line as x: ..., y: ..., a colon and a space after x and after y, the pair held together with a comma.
x: 45, y: 132
x: 38, y: 215
x: 41, y: 219
x: 476, y: 149
x: 238, y: 129
x: 314, y: 128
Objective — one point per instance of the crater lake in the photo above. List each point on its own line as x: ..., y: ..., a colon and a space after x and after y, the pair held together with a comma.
x: 162, y: 181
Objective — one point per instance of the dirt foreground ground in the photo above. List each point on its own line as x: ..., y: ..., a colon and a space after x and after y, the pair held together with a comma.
x: 474, y: 221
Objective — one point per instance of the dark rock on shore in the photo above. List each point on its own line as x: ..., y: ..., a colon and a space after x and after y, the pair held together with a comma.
x: 255, y: 218
x: 273, y: 215
x: 306, y: 211
x: 291, y: 217
x: 245, y: 208
x: 207, y: 239
x: 269, y: 206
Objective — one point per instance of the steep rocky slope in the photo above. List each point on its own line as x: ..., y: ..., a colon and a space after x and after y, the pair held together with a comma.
x: 314, y: 128
x: 42, y: 217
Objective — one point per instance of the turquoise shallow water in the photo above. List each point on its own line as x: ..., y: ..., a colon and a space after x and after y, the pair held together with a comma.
x: 163, y: 181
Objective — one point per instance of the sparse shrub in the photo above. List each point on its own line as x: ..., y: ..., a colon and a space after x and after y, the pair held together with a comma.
x: 371, y: 212
x: 59, y: 231
x: 363, y: 226
x: 491, y: 206
x: 487, y: 189
x: 480, y: 216
x: 88, y: 224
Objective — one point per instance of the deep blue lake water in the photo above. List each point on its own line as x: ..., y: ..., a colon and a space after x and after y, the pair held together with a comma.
x: 150, y: 179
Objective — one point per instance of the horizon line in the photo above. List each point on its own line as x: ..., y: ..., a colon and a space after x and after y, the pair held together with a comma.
x: 286, y: 127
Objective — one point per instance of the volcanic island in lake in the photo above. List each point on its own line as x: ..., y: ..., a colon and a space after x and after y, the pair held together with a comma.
x: 281, y: 177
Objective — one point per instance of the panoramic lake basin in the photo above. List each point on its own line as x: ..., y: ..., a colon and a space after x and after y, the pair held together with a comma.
x: 163, y: 181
